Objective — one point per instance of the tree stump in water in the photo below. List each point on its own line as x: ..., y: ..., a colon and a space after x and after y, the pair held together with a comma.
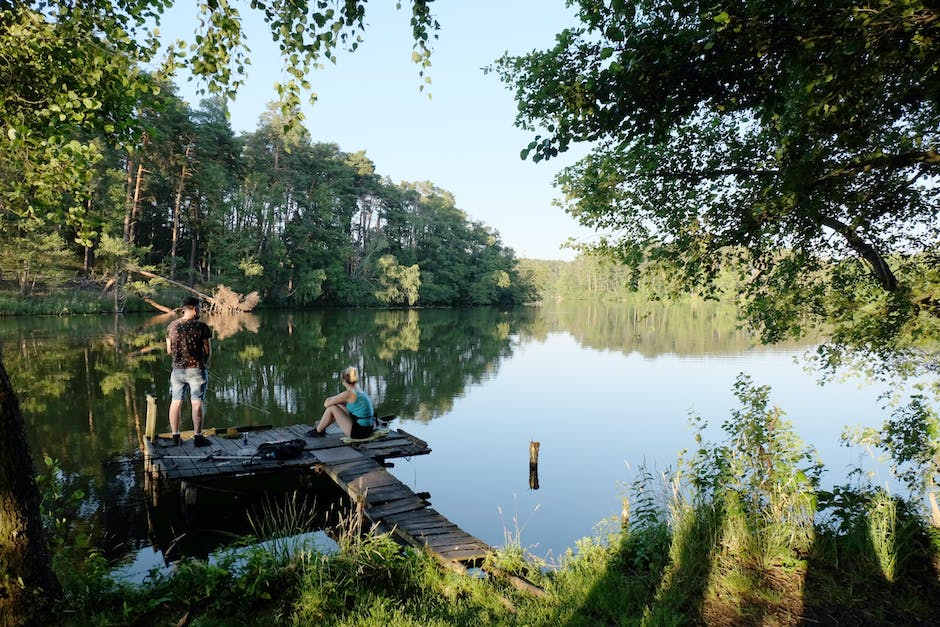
x: 534, y: 465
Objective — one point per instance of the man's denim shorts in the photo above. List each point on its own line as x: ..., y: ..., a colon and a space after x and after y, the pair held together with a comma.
x: 196, y: 380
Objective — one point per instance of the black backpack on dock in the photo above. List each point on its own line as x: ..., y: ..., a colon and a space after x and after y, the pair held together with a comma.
x: 283, y: 449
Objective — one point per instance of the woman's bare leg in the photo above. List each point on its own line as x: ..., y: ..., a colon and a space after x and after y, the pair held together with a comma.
x: 337, y: 414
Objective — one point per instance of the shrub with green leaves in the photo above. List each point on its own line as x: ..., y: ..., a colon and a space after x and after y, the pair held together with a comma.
x: 763, y: 477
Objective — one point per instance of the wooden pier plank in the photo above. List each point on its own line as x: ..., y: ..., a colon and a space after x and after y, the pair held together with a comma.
x: 354, y: 466
x: 452, y: 540
x: 419, y: 524
x: 338, y: 454
x: 375, y: 496
x: 394, y: 507
x: 442, y: 530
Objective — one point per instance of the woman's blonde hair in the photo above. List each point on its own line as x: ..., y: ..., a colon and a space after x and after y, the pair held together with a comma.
x: 350, y: 374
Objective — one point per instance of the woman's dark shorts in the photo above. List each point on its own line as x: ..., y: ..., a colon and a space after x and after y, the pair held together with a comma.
x: 359, y: 432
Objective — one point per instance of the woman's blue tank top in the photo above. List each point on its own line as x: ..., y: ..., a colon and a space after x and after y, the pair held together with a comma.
x: 361, y: 409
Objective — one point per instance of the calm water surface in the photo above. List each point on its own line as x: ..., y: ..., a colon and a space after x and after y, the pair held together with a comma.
x: 605, y: 389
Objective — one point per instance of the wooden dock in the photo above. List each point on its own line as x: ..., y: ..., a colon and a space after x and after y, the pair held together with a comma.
x: 358, y: 468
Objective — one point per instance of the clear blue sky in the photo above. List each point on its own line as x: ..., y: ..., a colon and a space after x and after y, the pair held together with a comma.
x: 462, y: 139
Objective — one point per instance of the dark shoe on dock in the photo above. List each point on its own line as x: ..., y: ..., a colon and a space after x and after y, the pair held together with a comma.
x: 313, y: 433
x: 200, y: 440
x: 176, y: 439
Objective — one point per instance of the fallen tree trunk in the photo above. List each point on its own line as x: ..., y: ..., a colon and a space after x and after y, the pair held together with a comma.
x: 153, y: 275
x: 224, y: 300
x: 156, y: 305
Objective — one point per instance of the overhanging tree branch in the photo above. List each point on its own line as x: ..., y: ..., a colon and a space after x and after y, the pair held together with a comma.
x: 879, y: 267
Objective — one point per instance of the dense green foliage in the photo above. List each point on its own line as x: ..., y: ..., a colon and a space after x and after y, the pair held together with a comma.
x: 301, y: 223
x: 794, y: 142
x: 106, y: 171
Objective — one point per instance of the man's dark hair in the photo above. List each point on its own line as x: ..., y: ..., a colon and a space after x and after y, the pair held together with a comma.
x: 191, y: 301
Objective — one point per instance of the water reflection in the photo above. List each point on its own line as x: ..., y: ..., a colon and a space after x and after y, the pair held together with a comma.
x: 82, y: 384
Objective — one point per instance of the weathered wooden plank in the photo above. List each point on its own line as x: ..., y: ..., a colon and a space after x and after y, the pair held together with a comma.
x: 451, y: 541
x: 426, y: 526
x: 329, y: 441
x: 387, y: 493
x: 277, y: 434
x: 438, y: 526
x: 299, y: 431
x: 378, y: 498
x: 235, y: 446
x: 391, y: 449
x: 443, y: 530
x: 373, y: 479
x: 185, y: 473
x: 425, y: 514
x: 338, y: 455
x: 416, y: 440
x: 352, y: 469
x: 176, y: 462
x: 359, y: 486
x: 443, y: 533
x: 462, y: 555
x: 392, y: 438
x: 406, y: 538
x: 393, y: 507
x: 418, y: 520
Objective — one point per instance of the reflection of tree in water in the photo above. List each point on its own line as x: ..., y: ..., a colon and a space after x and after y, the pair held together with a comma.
x: 226, y: 325
x: 398, y: 331
x: 686, y: 328
x: 455, y: 351
x: 413, y: 362
x: 81, y: 384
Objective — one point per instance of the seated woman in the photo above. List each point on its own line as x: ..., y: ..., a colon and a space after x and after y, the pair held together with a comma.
x: 351, y: 409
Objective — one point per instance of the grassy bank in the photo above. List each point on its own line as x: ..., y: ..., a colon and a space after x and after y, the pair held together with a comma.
x: 686, y: 567
x: 76, y: 299
x: 738, y: 534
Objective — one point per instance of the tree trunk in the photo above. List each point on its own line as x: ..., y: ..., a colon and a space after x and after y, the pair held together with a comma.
x: 174, y: 238
x: 164, y: 309
x: 193, y: 244
x: 86, y: 268
x: 133, y: 199
x: 24, y: 554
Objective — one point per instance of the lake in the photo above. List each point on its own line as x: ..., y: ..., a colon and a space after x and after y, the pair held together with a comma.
x: 605, y: 389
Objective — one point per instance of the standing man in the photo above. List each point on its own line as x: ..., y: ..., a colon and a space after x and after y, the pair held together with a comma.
x: 188, y: 342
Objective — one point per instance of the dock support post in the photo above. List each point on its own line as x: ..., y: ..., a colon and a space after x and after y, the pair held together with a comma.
x: 534, y: 465
x: 150, y: 428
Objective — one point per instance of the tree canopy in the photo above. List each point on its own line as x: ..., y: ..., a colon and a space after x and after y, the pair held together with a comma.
x: 114, y: 153
x: 72, y: 83
x: 796, y: 141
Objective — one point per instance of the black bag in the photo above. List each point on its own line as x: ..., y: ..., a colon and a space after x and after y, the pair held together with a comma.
x: 283, y: 449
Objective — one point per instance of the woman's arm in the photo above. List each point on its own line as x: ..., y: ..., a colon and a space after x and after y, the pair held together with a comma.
x: 346, y: 396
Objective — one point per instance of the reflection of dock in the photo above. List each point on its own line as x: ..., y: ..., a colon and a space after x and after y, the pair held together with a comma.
x: 359, y: 469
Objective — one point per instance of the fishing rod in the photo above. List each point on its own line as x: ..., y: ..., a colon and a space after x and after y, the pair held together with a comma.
x: 238, y: 403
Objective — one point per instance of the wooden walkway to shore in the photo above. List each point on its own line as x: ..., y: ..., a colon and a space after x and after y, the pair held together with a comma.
x: 358, y: 468
x: 392, y: 507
